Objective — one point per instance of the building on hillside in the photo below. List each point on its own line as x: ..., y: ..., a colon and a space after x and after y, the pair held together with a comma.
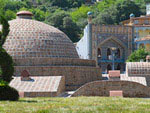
x: 110, y: 45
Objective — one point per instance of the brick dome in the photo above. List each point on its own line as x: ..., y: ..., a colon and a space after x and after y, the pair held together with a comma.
x: 29, y: 38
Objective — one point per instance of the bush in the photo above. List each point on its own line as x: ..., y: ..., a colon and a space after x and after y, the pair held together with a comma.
x: 6, y: 66
x: 7, y: 92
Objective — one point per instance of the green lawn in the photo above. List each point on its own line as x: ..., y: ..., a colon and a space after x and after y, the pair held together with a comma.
x: 77, y: 104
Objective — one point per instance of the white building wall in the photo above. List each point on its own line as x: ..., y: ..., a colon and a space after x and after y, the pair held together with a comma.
x: 82, y: 45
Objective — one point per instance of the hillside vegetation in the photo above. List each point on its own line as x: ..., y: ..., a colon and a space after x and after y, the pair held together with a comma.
x: 70, y: 16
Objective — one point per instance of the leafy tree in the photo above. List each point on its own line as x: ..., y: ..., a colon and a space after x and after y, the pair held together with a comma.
x: 137, y: 55
x: 57, y: 18
x: 125, y: 8
x: 80, y: 13
x: 63, y: 21
x: 107, y: 16
x: 118, y: 12
x: 6, y: 63
x: 10, y: 15
x: 71, y: 29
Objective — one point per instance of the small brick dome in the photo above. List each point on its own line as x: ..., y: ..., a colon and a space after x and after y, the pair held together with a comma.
x: 29, y: 38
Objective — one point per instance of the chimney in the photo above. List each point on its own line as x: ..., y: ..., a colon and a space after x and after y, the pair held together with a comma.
x: 148, y: 58
x: 114, y: 75
x: 25, y: 76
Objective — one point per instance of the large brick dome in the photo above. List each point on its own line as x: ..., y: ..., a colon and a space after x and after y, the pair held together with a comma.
x: 29, y: 38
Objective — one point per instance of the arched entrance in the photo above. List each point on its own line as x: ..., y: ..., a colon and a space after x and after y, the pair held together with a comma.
x: 119, y: 67
x: 99, y: 53
x: 109, y: 68
x: 108, y: 53
x: 118, y: 54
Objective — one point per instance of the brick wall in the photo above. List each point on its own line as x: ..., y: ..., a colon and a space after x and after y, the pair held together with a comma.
x: 75, y: 76
x: 102, y: 88
x: 54, y: 62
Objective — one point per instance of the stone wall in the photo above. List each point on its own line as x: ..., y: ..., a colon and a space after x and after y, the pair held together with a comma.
x: 139, y: 69
x: 75, y: 76
x: 54, y: 62
x: 102, y: 88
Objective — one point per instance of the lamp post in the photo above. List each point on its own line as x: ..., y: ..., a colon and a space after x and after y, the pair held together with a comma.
x: 113, y: 57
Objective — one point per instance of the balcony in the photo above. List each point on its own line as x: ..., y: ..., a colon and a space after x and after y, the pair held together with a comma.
x: 110, y: 61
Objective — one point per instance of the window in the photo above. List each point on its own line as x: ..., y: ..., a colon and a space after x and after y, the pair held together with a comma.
x: 146, y: 22
x: 108, y: 68
x: 99, y: 53
x: 119, y: 67
x: 118, y: 53
x: 136, y: 22
x: 108, y: 53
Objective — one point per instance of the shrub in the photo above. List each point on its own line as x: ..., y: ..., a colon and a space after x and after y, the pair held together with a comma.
x: 7, y: 92
x: 6, y: 65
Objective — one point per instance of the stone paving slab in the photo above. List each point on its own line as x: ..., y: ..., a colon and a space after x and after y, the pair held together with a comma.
x: 38, y: 84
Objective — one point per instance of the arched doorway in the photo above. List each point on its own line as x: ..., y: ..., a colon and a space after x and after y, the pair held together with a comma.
x: 118, y: 54
x: 99, y: 53
x: 109, y: 68
x: 119, y: 67
x: 108, y: 53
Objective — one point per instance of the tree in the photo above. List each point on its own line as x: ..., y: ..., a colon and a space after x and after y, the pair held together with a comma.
x: 71, y: 29
x: 10, y: 15
x: 118, y: 12
x: 107, y: 16
x: 6, y: 62
x: 138, y: 55
x: 63, y: 21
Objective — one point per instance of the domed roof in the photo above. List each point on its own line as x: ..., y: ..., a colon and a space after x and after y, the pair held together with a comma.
x: 132, y: 15
x: 24, y: 13
x: 30, y: 38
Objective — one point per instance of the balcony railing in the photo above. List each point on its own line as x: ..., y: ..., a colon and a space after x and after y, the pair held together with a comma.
x: 107, y: 60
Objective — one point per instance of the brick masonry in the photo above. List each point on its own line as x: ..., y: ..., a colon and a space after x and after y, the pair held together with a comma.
x: 40, y: 86
x: 54, y: 62
x: 106, y: 36
x: 102, y: 88
x: 139, y: 69
x: 75, y: 76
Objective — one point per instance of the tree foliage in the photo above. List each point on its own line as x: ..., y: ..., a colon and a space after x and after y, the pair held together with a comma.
x: 6, y: 62
x: 63, y: 21
x: 104, y: 12
x: 118, y: 12
x: 138, y: 55
x: 5, y: 30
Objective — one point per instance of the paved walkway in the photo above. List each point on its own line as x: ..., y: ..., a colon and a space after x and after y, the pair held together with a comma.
x: 141, y: 80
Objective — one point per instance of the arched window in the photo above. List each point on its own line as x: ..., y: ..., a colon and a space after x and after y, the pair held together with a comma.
x: 109, y: 68
x: 108, y: 53
x: 119, y: 67
x: 99, y: 53
x: 118, y: 53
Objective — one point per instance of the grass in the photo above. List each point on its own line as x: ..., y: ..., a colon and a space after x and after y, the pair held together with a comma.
x: 76, y: 105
